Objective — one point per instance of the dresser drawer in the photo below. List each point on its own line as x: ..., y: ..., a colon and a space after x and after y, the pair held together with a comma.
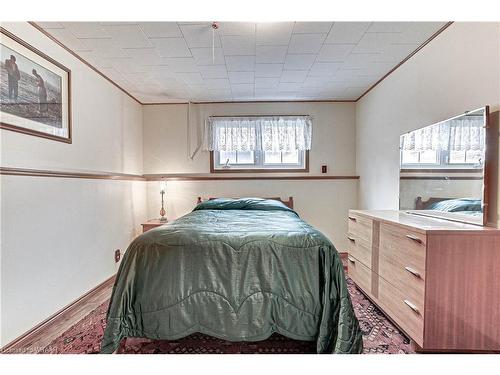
x: 360, y: 228
x: 401, y: 252
x: 360, y: 274
x: 408, y: 314
x: 359, y: 251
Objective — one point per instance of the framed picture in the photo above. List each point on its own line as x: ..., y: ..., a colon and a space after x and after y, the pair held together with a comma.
x: 34, y: 91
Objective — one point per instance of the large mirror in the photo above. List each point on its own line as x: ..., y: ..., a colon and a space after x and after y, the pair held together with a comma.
x: 442, y: 169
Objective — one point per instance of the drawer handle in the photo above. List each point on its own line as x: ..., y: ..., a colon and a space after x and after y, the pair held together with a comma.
x: 351, y: 259
x: 413, y: 272
x: 352, y: 218
x: 351, y: 239
x: 412, y: 306
x: 414, y: 238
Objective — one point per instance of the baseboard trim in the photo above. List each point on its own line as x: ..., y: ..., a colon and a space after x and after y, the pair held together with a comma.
x: 18, y: 344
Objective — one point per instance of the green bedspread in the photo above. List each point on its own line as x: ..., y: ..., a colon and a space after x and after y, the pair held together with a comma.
x: 237, y: 270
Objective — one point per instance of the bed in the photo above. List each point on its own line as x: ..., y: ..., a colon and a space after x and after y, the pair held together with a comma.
x: 466, y: 206
x: 236, y: 269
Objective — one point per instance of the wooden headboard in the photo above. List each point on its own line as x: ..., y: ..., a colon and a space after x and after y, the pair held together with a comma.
x: 288, y: 203
x: 423, y: 205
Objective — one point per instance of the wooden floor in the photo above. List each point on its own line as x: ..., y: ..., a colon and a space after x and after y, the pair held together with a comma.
x: 41, y: 336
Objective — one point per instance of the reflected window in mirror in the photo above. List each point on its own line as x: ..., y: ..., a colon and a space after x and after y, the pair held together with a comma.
x: 453, y: 143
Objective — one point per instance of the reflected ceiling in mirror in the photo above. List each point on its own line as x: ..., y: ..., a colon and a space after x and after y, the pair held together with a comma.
x: 442, y: 168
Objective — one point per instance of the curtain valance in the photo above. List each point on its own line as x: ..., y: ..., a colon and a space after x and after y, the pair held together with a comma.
x: 266, y: 133
x: 454, y: 135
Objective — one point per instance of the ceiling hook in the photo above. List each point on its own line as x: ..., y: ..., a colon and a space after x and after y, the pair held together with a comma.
x: 214, y: 27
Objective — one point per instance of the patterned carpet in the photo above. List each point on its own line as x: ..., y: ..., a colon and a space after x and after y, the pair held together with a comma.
x: 379, y: 336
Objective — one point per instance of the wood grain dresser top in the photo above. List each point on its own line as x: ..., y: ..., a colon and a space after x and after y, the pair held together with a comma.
x: 423, y: 224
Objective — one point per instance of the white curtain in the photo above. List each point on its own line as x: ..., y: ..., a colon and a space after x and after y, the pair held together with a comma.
x: 462, y: 134
x: 271, y: 133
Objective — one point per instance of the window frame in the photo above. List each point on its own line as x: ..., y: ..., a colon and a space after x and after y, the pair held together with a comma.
x: 238, y: 169
x: 443, y: 163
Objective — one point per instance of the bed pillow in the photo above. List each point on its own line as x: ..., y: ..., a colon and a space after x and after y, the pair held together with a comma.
x: 455, y: 205
x: 243, y: 204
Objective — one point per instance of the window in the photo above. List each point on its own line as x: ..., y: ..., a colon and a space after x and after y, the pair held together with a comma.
x: 428, y: 157
x: 259, y: 160
x: 441, y: 159
x: 259, y: 144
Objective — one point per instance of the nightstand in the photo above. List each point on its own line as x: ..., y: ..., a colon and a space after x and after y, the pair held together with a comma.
x: 150, y: 224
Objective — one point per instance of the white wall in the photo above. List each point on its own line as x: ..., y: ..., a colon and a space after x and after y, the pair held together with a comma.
x: 457, y: 71
x: 321, y: 203
x: 58, y: 235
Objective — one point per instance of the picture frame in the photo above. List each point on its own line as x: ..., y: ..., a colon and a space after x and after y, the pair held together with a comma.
x: 35, y: 91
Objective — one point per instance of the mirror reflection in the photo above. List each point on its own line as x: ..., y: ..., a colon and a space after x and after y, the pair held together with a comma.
x: 442, y: 168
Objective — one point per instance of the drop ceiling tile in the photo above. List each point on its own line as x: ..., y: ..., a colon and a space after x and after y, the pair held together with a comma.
x: 334, y: 52
x: 266, y: 83
x: 294, y: 76
x: 217, y: 83
x: 346, y: 75
x: 138, y: 79
x: 171, y: 47
x: 377, y: 69
x: 124, y: 65
x: 161, y: 71
x: 236, y: 28
x: 238, y: 45
x: 347, y: 32
x: 181, y: 64
x: 130, y: 36
x: 113, y: 74
x: 314, y: 82
x: 145, y: 56
x: 115, y: 23
x: 306, y: 43
x: 418, y: 32
x: 274, y: 33
x: 353, y: 92
x: 375, y: 42
x: 289, y: 86
x: 264, y: 93
x: 324, y: 69
x: 222, y: 93
x: 104, y: 45
x: 50, y: 25
x: 106, y: 53
x: 241, y: 77
x: 299, y: 62
x: 160, y: 29
x: 387, y: 27
x: 213, y: 71
x: 199, y: 35
x: 312, y: 27
x: 240, y: 63
x: 205, y: 56
x: 268, y: 70
x: 395, y: 53
x: 193, y: 78
x: 271, y: 54
x: 197, y: 90
x: 86, y: 29
x: 360, y: 60
x: 242, y: 88
x: 66, y: 37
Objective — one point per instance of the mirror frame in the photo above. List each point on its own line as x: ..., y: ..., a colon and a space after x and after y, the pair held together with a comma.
x: 490, y: 173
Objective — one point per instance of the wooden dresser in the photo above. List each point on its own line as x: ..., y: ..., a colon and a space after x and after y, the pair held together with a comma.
x: 438, y: 280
